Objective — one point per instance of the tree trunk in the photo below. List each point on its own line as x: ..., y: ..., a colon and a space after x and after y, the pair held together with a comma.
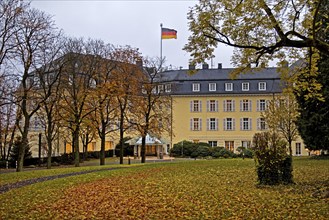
x: 49, y: 143
x: 102, y: 152
x: 22, y: 147
x: 143, y: 153
x: 76, y: 146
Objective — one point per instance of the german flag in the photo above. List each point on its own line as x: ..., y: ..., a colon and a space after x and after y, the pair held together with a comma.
x: 167, y: 33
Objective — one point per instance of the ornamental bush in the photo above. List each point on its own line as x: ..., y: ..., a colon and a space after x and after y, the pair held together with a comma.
x: 273, y: 164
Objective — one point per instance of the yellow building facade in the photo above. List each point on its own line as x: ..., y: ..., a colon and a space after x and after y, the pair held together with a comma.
x: 208, y: 106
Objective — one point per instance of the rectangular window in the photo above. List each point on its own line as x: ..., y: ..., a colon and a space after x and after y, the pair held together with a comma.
x: 229, y: 105
x: 261, y: 105
x: 212, y: 106
x: 160, y: 89
x: 245, y: 124
x: 298, y: 149
x: 245, y: 105
x: 228, y: 86
x: 229, y: 145
x: 196, y: 87
x: 195, y: 106
x: 245, y: 86
x: 229, y: 124
x: 262, y: 86
x: 212, y: 143
x: 212, y: 124
x: 246, y: 144
x: 212, y: 87
x: 195, y: 124
x: 261, y: 124
x: 168, y: 88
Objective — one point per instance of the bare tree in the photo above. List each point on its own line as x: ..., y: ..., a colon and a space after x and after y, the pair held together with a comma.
x: 150, y: 106
x: 125, y: 85
x: 79, y: 80
x: 34, y: 36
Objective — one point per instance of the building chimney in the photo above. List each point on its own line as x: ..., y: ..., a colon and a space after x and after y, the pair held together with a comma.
x: 220, y: 66
x: 205, y: 66
x: 191, y: 67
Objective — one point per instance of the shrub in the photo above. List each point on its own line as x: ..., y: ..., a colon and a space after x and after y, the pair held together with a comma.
x: 221, y: 152
x: 15, y: 149
x: 245, y: 152
x: 273, y: 164
x: 190, y: 149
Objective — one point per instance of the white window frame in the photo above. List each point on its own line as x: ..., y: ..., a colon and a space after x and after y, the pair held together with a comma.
x: 227, y: 103
x: 262, y: 105
x: 228, y: 87
x: 245, y: 86
x: 298, y: 149
x: 160, y: 88
x: 168, y: 88
x: 212, y: 124
x: 196, y: 106
x: 212, y: 105
x: 245, y: 124
x: 262, y: 86
x: 196, y: 87
x: 213, y: 143
x: 195, y: 124
x: 246, y: 144
x: 212, y: 87
x: 231, y: 122
x: 261, y: 124
x: 245, y: 105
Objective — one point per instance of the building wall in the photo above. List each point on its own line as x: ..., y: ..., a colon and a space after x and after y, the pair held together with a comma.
x: 182, y: 116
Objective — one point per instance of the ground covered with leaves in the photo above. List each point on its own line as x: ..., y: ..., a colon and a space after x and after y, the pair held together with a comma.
x: 202, y: 189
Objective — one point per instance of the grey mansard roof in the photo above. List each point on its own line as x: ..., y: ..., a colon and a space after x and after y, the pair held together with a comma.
x: 182, y: 81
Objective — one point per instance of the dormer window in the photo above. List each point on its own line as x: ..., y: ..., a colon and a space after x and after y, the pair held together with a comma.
x: 212, y: 87
x: 196, y: 87
x: 245, y: 86
x: 168, y: 88
x: 228, y: 86
x: 262, y: 86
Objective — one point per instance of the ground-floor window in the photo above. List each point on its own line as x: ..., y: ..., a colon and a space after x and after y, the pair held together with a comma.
x: 246, y: 144
x: 229, y: 145
x: 212, y: 143
x: 298, y: 149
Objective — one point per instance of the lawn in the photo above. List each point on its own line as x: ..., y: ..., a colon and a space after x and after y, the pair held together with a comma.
x: 202, y: 189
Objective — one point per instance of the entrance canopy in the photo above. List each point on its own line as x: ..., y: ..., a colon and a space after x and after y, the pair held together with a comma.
x: 149, y: 140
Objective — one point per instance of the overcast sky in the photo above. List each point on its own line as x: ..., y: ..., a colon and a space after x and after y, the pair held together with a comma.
x: 135, y: 23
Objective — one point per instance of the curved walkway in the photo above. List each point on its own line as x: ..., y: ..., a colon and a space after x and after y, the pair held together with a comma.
x: 10, y: 186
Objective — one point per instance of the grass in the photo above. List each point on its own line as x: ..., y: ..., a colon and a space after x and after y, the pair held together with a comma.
x: 205, y: 189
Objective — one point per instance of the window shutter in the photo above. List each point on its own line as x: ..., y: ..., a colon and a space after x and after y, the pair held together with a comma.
x: 191, y: 124
x: 191, y: 106
x: 250, y: 124
x: 200, y: 106
x: 258, y: 108
x: 216, y: 106
x: 224, y: 104
x: 224, y: 124
x: 250, y: 105
x: 241, y: 124
x: 233, y: 105
x: 208, y: 124
x: 258, y: 123
x: 208, y: 105
x: 241, y: 105
x: 216, y: 124
x: 200, y: 124
x: 233, y: 124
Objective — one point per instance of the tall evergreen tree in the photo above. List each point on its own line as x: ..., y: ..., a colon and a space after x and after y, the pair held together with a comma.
x: 314, y: 113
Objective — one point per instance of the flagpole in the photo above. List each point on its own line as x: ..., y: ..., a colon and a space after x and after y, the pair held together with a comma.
x: 161, y: 45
